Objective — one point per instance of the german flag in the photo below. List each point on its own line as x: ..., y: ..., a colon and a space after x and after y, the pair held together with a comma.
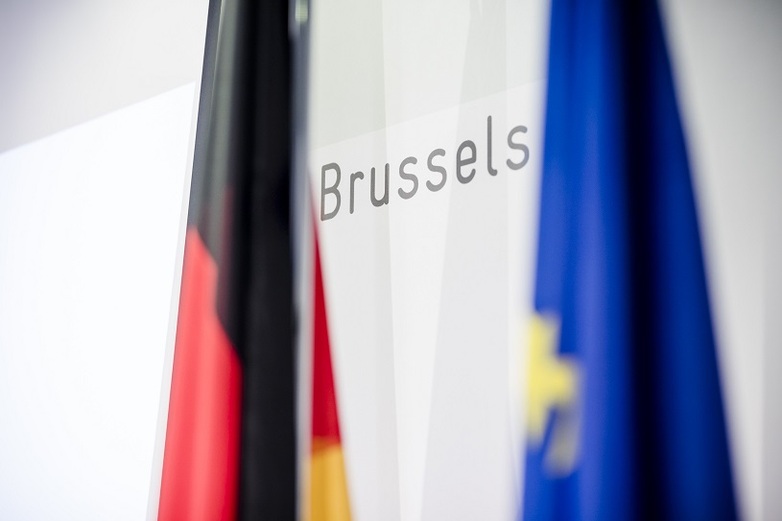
x: 230, y: 449
x: 327, y: 491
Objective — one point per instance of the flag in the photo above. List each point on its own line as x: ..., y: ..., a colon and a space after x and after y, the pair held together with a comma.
x: 230, y: 449
x: 327, y: 490
x: 624, y: 410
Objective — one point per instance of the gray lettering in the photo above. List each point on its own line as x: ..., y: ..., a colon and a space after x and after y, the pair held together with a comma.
x: 436, y: 168
x: 353, y: 177
x: 407, y: 176
x: 383, y: 200
x: 333, y: 189
x: 460, y: 161
x: 517, y: 146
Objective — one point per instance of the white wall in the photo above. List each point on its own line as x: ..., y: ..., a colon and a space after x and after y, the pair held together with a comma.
x: 97, y: 105
x: 729, y: 71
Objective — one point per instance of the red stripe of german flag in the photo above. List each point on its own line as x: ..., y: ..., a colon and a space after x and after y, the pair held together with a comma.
x: 327, y: 491
x: 200, y: 469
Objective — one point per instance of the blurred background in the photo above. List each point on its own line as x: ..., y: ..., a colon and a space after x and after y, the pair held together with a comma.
x: 97, y: 118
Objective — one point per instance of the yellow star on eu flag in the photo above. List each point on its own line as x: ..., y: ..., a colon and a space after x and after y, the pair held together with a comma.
x: 552, y: 382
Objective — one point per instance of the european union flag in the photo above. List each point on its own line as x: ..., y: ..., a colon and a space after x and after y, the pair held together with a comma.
x: 624, y: 411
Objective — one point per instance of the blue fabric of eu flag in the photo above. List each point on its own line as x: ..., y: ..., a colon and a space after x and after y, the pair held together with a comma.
x: 624, y: 409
